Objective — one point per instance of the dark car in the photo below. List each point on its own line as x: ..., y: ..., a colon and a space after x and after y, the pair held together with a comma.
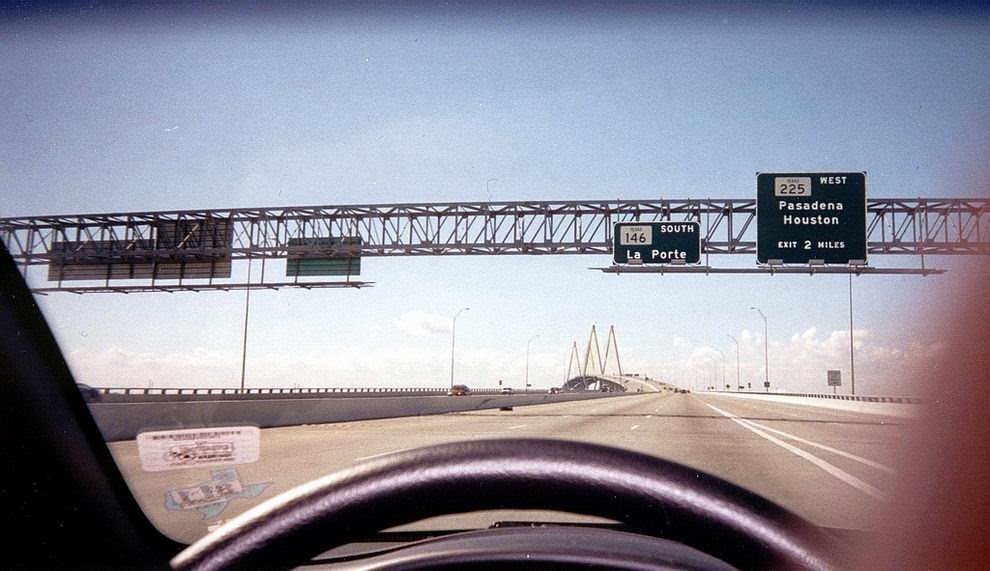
x: 458, y: 391
x: 89, y: 393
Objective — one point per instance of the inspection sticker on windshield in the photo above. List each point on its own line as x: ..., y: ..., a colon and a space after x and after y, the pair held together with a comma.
x: 198, y: 447
x: 211, y: 497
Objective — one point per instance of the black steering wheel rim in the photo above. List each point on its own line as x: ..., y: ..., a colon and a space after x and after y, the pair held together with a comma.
x: 675, y: 501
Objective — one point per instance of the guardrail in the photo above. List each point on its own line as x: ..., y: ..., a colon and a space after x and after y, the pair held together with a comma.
x: 187, y: 394
x: 269, y: 391
x: 893, y: 400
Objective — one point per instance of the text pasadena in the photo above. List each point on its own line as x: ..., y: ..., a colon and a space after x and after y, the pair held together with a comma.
x: 814, y: 205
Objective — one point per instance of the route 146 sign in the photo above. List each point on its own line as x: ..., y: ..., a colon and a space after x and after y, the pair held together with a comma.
x: 657, y: 243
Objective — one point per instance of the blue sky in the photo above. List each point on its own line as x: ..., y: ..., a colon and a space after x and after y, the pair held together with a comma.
x: 168, y: 109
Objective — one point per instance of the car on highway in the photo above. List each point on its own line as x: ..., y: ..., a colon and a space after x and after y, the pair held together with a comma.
x: 245, y: 249
x: 89, y: 393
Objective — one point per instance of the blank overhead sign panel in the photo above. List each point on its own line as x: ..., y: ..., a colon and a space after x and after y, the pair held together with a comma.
x: 321, y: 256
x: 807, y: 217
x: 657, y: 242
x: 176, y: 249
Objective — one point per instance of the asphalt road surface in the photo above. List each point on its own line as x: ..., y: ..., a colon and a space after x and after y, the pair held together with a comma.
x: 835, y: 468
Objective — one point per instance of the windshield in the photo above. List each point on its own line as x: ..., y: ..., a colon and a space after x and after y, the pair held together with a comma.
x: 273, y: 242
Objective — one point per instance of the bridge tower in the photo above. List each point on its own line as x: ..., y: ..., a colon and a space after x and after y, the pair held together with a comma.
x: 591, y: 372
x: 612, y: 344
x: 592, y: 358
x: 573, y: 362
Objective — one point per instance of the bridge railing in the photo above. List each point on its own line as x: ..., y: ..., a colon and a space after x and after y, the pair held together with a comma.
x: 273, y: 390
x: 853, y: 398
x: 315, y: 391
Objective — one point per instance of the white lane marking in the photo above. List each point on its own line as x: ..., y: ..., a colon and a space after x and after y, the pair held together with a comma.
x: 833, y: 470
x: 516, y: 426
x: 836, y: 451
x: 383, y: 454
x: 634, y: 427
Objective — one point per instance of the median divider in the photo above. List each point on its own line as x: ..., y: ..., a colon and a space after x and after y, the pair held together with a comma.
x: 122, y: 420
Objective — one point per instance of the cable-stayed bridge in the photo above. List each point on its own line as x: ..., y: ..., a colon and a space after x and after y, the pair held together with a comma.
x: 593, y: 372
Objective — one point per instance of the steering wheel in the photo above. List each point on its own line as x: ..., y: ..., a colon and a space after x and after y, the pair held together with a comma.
x: 709, y: 516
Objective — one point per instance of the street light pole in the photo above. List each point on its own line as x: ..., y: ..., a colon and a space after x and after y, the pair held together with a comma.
x: 723, y: 365
x: 527, y: 359
x: 766, y: 350
x: 852, y: 357
x: 453, y: 336
x: 738, y: 382
x: 247, y: 306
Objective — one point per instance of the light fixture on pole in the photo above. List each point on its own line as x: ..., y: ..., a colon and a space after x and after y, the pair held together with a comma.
x: 453, y: 334
x: 737, y: 361
x: 527, y: 359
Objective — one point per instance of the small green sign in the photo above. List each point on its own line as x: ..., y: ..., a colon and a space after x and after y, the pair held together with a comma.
x: 317, y: 257
x: 323, y: 267
x: 657, y: 243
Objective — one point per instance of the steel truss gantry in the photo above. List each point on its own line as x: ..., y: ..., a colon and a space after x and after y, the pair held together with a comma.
x: 182, y: 241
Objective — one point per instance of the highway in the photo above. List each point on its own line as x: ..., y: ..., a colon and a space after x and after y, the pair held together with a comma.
x: 834, y: 467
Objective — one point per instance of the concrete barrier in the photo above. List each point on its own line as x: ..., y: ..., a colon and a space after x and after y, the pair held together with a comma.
x: 124, y: 420
x: 889, y: 406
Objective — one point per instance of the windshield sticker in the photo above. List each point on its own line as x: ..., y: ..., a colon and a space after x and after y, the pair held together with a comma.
x: 198, y: 448
x: 210, y: 498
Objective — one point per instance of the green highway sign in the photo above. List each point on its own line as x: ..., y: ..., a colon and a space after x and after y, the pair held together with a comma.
x: 318, y: 264
x: 656, y: 243
x: 807, y: 217
x: 323, y: 267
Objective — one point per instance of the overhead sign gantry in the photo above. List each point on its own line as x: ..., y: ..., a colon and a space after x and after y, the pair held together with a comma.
x: 195, y: 250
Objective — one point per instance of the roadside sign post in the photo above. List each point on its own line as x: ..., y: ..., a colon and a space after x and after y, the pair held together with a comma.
x: 656, y: 243
x: 834, y: 378
x: 811, y: 218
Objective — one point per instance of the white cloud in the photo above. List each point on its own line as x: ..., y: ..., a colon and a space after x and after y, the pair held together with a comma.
x: 798, y: 364
x: 420, y: 323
